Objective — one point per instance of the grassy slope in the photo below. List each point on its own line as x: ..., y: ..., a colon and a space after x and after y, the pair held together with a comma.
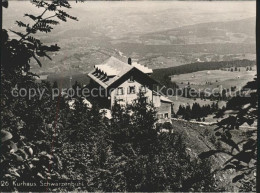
x: 159, y: 74
x: 198, y: 141
x: 177, y: 101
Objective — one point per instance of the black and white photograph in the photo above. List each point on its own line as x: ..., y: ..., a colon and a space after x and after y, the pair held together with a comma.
x: 129, y: 96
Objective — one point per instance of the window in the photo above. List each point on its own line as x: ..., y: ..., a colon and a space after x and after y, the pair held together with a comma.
x: 143, y: 89
x: 120, y: 91
x: 131, y: 79
x: 166, y: 115
x: 131, y: 90
x: 160, y: 116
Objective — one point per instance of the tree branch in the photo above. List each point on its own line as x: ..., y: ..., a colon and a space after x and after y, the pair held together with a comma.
x: 40, y: 16
x: 49, y: 17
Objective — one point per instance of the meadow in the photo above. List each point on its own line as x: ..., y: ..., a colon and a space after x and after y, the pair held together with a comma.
x: 215, y: 78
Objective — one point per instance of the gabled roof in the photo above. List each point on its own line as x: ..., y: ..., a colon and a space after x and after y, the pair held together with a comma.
x: 142, y: 68
x: 113, y: 69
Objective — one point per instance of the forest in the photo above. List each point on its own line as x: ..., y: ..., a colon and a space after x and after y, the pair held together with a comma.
x: 197, y: 112
x: 163, y: 73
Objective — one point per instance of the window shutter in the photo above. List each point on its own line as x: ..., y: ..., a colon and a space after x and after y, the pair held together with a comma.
x: 122, y: 91
x: 128, y: 90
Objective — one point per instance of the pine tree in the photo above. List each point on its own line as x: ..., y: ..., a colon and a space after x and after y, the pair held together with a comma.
x: 187, y: 114
x: 181, y: 110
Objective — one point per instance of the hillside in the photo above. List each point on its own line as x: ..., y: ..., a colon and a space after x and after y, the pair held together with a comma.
x: 160, y: 74
x: 204, y: 42
x: 215, y: 78
x: 200, y: 138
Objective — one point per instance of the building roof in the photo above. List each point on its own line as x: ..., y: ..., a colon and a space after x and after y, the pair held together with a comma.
x: 162, y: 97
x: 142, y: 68
x: 165, y: 99
x: 112, y: 69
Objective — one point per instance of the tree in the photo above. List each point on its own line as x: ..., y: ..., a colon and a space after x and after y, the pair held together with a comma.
x: 147, y: 160
x: 132, y: 123
x: 196, y: 111
x: 172, y: 111
x: 166, y: 81
x: 181, y: 110
x: 29, y: 125
x: 243, y: 155
x: 45, y: 139
x: 160, y: 74
x: 187, y: 114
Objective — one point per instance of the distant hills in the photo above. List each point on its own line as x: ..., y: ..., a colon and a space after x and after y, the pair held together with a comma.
x: 164, y: 36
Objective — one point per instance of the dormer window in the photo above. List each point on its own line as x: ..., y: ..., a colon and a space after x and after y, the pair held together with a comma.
x: 105, y: 80
x: 98, y: 74
x: 103, y: 77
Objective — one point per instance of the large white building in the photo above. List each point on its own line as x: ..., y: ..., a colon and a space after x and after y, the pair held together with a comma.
x: 122, y: 81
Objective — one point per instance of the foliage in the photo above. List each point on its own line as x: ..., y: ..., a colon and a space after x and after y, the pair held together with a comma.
x: 46, y: 139
x: 145, y: 160
x: 241, y: 110
x: 134, y: 124
x: 196, y: 111
x: 30, y: 125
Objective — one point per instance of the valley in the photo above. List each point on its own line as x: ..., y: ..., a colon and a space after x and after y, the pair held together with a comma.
x: 169, y: 34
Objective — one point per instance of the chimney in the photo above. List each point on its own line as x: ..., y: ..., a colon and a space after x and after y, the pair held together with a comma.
x: 129, y: 61
x: 70, y: 81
